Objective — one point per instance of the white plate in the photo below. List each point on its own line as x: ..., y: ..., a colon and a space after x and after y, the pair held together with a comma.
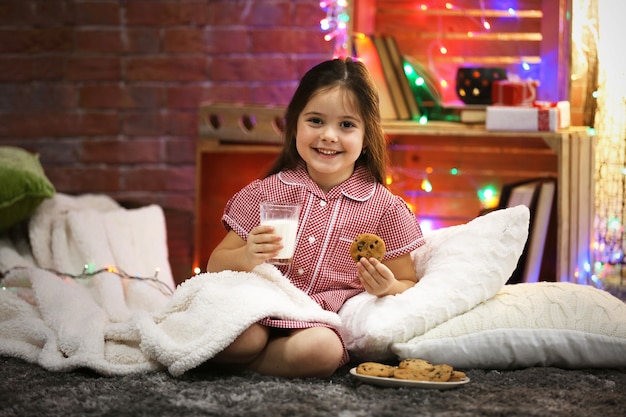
x: 393, y: 382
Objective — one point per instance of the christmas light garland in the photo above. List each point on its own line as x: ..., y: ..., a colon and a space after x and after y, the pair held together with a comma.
x: 89, y: 272
x: 336, y: 25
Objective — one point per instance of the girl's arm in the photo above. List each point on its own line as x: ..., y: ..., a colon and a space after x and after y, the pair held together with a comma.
x: 394, y: 276
x: 235, y: 254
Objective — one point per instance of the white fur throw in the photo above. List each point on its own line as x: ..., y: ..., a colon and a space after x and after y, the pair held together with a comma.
x: 117, y: 326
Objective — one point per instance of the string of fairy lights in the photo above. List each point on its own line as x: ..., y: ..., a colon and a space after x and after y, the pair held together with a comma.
x: 89, y: 272
x: 609, y: 245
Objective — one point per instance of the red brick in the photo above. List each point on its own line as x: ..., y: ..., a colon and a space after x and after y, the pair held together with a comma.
x: 186, y: 96
x: 142, y: 41
x: 167, y: 69
x: 185, y: 40
x: 48, y: 124
x: 93, y: 68
x: 272, y: 40
x: 98, y: 13
x: 35, y: 40
x: 270, y: 14
x: 16, y: 69
x: 167, y: 13
x: 15, y: 12
x: 276, y: 94
x: 258, y: 13
x: 311, y: 41
x: 143, y: 124
x: 256, y: 68
x: 174, y: 178
x: 180, y: 151
x: 181, y: 201
x: 54, y: 13
x: 53, y: 152
x: 308, y: 14
x: 37, y: 98
x: 78, y: 180
x: 121, y: 152
x: 116, y: 96
x: 230, y: 92
x: 18, y: 41
x: 99, y: 41
x: 49, y: 67
x: 182, y: 124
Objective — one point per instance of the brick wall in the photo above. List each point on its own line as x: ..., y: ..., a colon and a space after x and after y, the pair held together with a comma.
x: 107, y: 91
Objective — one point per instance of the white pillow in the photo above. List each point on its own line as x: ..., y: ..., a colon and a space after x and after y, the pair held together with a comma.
x: 540, y: 324
x: 460, y: 267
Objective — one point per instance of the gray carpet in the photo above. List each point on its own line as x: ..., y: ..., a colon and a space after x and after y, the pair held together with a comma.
x: 28, y: 390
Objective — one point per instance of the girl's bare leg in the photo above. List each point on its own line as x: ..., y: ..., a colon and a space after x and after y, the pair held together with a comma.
x: 246, y: 347
x: 312, y: 352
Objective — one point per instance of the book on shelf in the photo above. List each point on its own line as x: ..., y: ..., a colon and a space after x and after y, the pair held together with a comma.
x: 538, y: 259
x: 398, y: 63
x: 466, y: 113
x: 391, y: 75
x: 367, y: 52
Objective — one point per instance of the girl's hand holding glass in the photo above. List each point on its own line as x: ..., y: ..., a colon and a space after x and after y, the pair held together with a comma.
x: 263, y: 244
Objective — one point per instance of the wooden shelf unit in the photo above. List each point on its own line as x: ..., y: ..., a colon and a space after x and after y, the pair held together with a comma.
x: 227, y: 160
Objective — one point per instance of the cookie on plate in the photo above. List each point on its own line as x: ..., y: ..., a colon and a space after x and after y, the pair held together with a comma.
x: 367, y: 245
x: 437, y: 373
x: 375, y: 369
x: 415, y: 364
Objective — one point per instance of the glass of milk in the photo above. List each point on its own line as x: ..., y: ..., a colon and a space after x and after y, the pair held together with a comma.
x: 284, y: 218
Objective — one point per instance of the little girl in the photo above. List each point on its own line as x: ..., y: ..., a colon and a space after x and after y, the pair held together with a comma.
x: 332, y: 163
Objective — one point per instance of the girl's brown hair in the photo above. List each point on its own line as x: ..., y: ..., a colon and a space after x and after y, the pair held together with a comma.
x: 354, y: 77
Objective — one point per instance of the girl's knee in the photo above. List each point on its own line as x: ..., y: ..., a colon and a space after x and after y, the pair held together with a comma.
x: 246, y: 347
x: 324, y: 352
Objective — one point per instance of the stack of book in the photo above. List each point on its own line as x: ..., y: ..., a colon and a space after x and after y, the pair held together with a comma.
x: 407, y: 89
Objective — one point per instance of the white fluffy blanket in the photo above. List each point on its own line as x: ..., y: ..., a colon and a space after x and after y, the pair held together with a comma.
x: 117, y: 325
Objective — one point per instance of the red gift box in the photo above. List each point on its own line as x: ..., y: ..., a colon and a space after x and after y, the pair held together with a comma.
x: 514, y: 93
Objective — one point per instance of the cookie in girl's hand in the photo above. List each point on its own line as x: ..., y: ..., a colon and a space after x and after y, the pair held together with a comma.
x: 367, y: 245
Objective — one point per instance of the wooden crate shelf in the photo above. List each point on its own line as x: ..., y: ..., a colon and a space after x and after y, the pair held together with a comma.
x: 482, y: 157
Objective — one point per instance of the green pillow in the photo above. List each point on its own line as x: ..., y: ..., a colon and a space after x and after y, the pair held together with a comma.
x: 23, y: 185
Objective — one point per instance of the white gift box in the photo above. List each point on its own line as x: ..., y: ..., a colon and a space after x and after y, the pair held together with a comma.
x: 542, y: 116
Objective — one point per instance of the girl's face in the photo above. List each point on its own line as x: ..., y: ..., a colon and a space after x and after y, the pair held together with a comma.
x: 330, y: 137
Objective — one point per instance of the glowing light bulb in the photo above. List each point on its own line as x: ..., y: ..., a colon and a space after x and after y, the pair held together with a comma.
x: 526, y: 66
x: 197, y: 270
x: 454, y: 171
x: 423, y: 119
x: 426, y: 185
x: 443, y: 50
x: 423, y: 7
x: 443, y: 83
x: 486, y: 25
x: 324, y: 24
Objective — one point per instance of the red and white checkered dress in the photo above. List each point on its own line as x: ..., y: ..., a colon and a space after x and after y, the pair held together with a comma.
x: 322, y: 266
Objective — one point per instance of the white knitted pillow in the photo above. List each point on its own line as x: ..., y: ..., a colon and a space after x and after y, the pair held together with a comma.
x: 541, y: 324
